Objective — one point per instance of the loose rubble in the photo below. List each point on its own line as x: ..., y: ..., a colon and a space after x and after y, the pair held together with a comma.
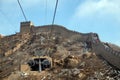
x: 70, y: 59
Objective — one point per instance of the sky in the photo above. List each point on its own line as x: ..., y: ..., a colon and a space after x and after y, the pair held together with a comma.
x: 99, y: 16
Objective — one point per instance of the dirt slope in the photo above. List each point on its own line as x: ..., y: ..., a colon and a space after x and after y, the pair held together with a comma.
x: 71, y: 59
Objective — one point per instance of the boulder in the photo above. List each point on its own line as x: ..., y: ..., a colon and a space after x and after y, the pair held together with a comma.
x: 82, y: 76
x: 70, y: 62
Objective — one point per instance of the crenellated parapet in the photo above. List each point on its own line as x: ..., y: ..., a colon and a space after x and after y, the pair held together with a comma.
x: 26, y: 27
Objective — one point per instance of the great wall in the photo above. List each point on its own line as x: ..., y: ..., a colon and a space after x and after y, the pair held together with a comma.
x: 28, y: 40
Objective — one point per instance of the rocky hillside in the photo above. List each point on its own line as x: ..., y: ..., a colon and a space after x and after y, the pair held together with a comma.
x: 71, y: 58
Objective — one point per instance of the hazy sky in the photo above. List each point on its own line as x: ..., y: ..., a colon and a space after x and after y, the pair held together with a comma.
x: 100, y: 16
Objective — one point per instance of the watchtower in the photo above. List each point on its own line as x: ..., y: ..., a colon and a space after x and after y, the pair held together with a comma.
x: 26, y: 27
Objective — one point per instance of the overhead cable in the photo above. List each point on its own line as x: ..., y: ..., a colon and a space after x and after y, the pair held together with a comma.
x: 7, y: 20
x: 22, y: 10
x: 55, y: 12
x: 54, y: 17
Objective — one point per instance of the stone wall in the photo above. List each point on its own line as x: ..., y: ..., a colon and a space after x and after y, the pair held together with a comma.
x: 26, y: 27
x: 60, y: 30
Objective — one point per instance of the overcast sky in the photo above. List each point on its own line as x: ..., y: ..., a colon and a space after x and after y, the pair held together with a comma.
x: 99, y: 16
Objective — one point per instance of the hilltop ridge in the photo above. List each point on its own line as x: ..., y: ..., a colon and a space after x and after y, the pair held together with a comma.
x: 70, y: 58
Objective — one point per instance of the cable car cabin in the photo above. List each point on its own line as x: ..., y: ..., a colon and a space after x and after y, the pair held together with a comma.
x: 40, y: 63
